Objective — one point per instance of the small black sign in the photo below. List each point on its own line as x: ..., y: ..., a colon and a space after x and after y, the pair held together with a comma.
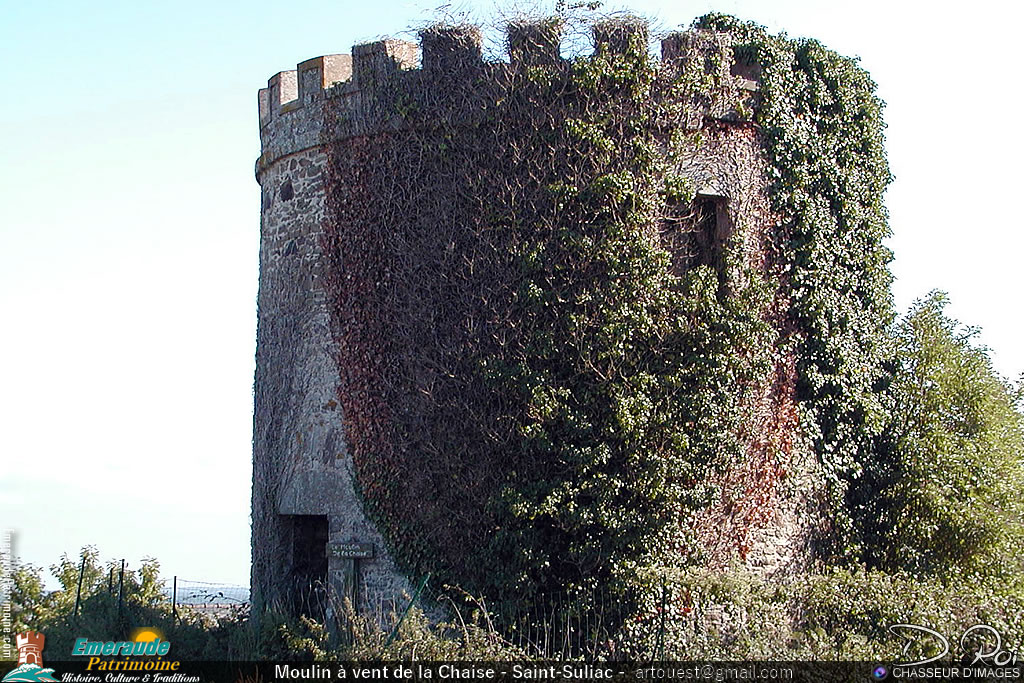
x: 350, y: 550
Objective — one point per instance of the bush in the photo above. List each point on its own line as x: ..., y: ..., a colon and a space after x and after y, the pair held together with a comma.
x: 941, y: 498
x: 841, y: 614
x: 469, y: 636
x: 691, y: 614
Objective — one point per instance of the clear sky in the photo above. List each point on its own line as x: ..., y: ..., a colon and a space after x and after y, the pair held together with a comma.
x: 129, y: 234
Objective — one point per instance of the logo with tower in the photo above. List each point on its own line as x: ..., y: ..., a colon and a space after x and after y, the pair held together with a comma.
x: 30, y: 659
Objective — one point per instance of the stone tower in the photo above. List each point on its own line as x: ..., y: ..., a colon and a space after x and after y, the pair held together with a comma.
x: 312, y: 540
x: 305, y: 508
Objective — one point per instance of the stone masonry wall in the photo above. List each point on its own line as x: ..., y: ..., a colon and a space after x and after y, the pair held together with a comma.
x: 301, y: 466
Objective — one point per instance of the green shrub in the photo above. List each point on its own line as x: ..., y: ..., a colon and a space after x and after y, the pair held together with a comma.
x: 942, y: 495
x: 840, y: 614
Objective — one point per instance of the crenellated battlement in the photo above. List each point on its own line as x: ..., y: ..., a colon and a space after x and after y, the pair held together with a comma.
x: 317, y: 79
x: 338, y: 96
x: 30, y: 638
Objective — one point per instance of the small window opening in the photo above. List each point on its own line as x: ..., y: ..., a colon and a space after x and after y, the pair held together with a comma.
x: 287, y: 191
x: 694, y: 234
x: 744, y: 63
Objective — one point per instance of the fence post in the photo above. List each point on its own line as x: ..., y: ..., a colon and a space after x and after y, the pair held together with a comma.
x: 120, y: 592
x: 394, y: 631
x: 174, y: 601
x: 78, y: 594
x: 661, y: 626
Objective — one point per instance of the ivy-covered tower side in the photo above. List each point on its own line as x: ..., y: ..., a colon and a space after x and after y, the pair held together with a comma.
x: 543, y: 326
x: 303, y: 495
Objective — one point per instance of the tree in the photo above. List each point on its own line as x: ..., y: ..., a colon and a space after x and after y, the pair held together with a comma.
x: 942, y: 495
x: 104, y: 611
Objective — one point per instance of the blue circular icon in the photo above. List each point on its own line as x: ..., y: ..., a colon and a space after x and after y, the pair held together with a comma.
x: 880, y: 673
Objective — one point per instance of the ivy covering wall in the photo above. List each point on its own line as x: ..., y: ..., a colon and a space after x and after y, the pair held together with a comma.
x: 538, y: 398
x: 823, y: 133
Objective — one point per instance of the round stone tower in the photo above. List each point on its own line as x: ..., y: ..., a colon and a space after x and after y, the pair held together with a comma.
x: 313, y: 543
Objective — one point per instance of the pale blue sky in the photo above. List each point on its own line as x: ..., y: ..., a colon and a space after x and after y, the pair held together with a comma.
x: 129, y: 230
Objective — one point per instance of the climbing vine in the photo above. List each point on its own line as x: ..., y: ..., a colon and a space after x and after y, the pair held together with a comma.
x: 823, y: 134
x: 546, y: 367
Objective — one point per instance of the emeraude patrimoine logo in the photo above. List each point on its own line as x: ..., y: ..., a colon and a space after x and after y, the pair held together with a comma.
x: 30, y: 659
x: 146, y: 643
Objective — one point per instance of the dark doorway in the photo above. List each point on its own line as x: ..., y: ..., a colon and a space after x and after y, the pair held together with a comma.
x: 308, y: 570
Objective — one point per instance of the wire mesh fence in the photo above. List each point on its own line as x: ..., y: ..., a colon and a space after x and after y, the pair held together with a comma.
x: 213, y: 599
